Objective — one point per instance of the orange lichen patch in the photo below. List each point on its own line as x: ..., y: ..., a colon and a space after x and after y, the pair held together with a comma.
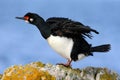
x: 26, y: 73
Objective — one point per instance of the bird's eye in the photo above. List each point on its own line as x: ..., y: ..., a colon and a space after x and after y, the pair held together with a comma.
x: 31, y: 19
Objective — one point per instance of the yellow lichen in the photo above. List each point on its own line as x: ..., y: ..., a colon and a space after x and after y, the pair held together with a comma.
x: 37, y: 64
x: 26, y: 73
x: 108, y: 76
x: 0, y: 76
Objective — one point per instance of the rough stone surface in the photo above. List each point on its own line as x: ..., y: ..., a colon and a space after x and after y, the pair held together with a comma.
x: 40, y: 71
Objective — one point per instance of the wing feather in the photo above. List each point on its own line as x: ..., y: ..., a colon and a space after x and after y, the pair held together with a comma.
x: 65, y: 26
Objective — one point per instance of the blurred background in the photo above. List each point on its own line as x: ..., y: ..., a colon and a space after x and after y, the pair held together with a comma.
x: 22, y: 43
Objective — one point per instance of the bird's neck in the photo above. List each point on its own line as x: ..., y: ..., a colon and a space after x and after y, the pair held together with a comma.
x: 44, y: 29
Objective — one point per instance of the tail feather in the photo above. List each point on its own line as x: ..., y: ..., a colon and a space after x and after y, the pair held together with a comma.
x: 101, y: 48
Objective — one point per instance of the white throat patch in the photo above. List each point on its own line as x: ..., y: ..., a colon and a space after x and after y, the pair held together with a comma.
x: 26, y: 21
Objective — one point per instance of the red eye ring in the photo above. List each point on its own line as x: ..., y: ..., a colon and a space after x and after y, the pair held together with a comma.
x: 26, y: 18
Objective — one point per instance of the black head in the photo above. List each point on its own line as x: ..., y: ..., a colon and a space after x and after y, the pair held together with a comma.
x: 32, y: 18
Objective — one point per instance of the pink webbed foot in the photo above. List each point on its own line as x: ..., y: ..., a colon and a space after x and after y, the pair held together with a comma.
x: 68, y: 64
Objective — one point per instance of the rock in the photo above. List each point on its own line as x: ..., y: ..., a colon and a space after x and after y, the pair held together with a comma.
x: 0, y: 76
x: 40, y: 71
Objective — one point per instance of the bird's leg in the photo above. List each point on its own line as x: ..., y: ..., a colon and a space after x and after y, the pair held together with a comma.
x: 68, y: 64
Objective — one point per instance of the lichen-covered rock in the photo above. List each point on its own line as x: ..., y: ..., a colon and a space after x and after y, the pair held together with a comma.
x: 40, y: 71
x: 27, y: 72
x: 0, y: 76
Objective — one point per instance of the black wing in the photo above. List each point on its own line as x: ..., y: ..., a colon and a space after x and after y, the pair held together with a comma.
x: 65, y: 26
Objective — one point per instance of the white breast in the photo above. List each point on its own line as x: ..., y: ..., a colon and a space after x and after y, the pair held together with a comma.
x: 61, y: 45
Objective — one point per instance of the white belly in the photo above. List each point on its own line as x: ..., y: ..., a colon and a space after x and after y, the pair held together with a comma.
x: 61, y: 45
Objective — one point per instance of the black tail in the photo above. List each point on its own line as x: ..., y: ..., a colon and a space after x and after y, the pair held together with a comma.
x: 101, y: 48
